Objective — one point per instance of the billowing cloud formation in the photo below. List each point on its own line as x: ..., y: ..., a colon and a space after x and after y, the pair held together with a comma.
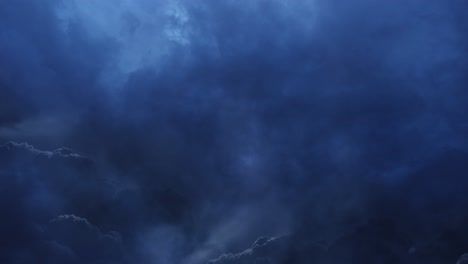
x: 263, y: 250
x: 12, y: 149
x: 203, y: 126
x: 85, y: 240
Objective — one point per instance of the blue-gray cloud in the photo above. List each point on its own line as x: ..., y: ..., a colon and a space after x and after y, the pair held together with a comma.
x: 215, y: 123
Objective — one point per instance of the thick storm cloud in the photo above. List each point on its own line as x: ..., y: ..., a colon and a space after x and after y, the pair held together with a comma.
x: 176, y: 131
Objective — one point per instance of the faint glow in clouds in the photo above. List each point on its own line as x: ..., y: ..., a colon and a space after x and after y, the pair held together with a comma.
x: 142, y: 30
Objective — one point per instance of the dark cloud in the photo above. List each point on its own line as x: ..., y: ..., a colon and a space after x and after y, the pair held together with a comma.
x: 36, y: 186
x: 462, y: 259
x: 12, y: 149
x: 377, y: 241
x: 263, y: 250
x: 86, y: 241
x: 202, y: 126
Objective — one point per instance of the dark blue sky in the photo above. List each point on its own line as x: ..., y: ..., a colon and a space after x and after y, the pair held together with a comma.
x: 166, y: 132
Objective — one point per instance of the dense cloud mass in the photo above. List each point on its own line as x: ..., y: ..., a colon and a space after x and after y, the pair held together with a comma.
x: 177, y: 131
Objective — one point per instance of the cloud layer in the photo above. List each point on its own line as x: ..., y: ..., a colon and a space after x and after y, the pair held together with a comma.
x: 201, y: 127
